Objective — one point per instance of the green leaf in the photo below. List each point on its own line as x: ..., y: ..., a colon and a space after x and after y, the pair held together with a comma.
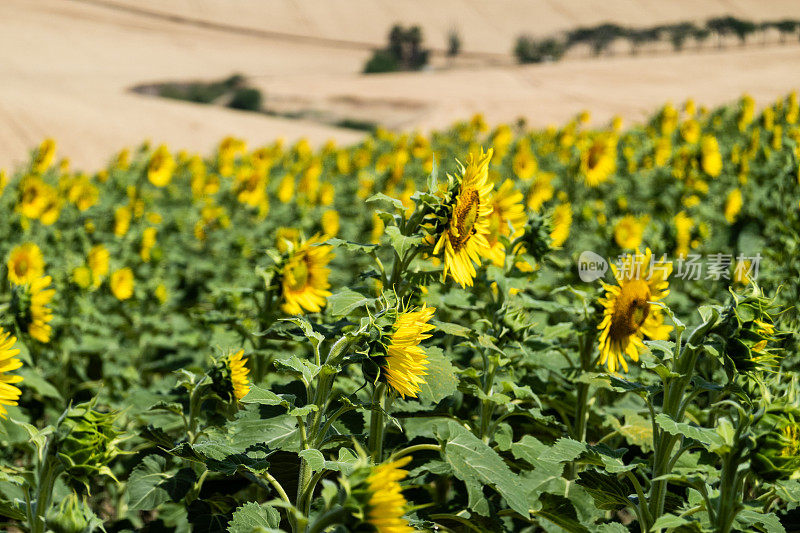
x: 263, y: 396
x: 669, y: 521
x: 441, y: 380
x: 34, y: 381
x: 452, y: 329
x: 254, y: 518
x: 401, y: 243
x: 475, y: 463
x: 560, y: 511
x: 150, y: 484
x: 343, y: 302
x: 564, y: 449
x: 608, y: 492
x: 703, y: 435
x: 398, y: 204
x: 769, y: 521
x: 314, y: 458
x: 9, y: 510
x: 351, y: 246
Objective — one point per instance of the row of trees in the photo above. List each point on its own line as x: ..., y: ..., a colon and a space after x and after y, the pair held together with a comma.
x: 599, y: 38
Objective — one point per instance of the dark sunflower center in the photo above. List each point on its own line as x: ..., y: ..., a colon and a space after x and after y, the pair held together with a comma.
x: 465, y: 215
x: 630, y: 310
x: 595, y: 155
x: 21, y: 267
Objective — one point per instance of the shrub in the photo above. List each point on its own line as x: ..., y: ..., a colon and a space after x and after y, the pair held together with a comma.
x: 247, y: 99
x: 381, y: 61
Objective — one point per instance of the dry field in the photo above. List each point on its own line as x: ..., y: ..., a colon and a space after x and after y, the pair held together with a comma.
x: 68, y: 66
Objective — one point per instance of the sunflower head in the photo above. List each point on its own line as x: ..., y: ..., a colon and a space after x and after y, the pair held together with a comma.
x: 395, y: 347
x: 9, y: 393
x: 376, y: 501
x: 599, y: 159
x: 122, y: 283
x: 304, y: 276
x: 460, y: 225
x: 25, y: 263
x: 229, y: 376
x: 29, y: 307
x: 629, y: 314
x: 160, y: 167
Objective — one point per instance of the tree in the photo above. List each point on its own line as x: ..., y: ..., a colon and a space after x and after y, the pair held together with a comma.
x: 453, y: 43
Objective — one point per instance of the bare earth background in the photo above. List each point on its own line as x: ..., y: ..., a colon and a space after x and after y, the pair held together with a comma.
x: 67, y: 67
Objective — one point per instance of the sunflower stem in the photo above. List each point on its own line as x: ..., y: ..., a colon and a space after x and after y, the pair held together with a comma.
x: 376, y: 423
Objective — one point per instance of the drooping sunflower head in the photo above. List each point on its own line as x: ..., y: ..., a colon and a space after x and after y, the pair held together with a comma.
x: 304, y: 277
x: 229, y: 376
x: 462, y: 229
x: 9, y: 393
x: 25, y: 263
x: 375, y: 497
x: 387, y: 505
x: 29, y: 306
x: 402, y: 360
x: 506, y: 220
x: 629, y: 314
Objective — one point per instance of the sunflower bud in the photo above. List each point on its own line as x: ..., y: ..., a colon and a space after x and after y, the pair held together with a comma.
x: 87, y: 443
x: 751, y: 340
x: 537, y: 236
x: 73, y: 516
x: 777, y: 452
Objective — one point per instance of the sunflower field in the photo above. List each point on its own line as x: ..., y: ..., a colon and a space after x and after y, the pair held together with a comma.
x: 569, y: 329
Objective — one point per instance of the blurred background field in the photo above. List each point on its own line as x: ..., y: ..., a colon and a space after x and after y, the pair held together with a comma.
x: 69, y: 68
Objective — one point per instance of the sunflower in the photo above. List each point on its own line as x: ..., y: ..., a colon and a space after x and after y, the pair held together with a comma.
x: 36, y: 197
x: 40, y: 315
x: 235, y: 374
x: 464, y: 239
x: 629, y: 314
x: 305, y: 277
x: 148, y: 241
x: 160, y: 167
x: 628, y: 232
x: 733, y: 205
x: 25, y: 263
x: 386, y: 505
x: 711, y: 159
x: 330, y: 222
x: 44, y: 156
x: 405, y: 361
x: 599, y: 160
x: 122, y: 283
x: 683, y: 233
x: 9, y: 394
x: 507, y: 219
x: 541, y: 190
x: 98, y: 262
x: 562, y: 222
